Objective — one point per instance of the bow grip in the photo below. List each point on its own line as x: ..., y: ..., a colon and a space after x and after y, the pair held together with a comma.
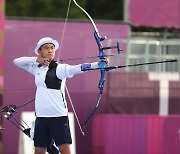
x: 102, y: 64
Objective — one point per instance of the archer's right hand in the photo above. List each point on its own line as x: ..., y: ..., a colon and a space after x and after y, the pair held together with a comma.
x: 43, y: 61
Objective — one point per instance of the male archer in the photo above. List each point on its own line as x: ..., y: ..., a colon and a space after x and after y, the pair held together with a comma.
x: 50, y: 103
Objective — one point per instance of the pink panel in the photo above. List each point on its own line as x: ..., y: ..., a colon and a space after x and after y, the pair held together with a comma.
x: 98, y: 135
x: 119, y: 134
x: 171, y: 133
x: 2, y: 20
x: 1, y: 61
x: 155, y: 135
x: 157, y: 13
x: 1, y: 81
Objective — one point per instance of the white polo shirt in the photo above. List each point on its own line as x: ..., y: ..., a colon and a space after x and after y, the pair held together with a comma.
x: 49, y: 102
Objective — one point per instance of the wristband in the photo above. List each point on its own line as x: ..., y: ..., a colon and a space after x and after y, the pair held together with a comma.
x: 85, y: 66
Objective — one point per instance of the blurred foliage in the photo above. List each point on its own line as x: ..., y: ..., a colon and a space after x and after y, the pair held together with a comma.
x: 106, y: 9
x: 98, y: 9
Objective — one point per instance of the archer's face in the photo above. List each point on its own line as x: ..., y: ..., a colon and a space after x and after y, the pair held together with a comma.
x: 47, y: 51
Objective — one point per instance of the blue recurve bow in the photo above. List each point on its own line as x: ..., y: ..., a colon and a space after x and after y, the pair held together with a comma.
x: 102, y: 56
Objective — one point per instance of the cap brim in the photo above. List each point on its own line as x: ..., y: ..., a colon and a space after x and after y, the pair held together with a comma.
x: 56, y: 44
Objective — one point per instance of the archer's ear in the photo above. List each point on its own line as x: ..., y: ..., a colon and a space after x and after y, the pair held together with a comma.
x: 39, y: 51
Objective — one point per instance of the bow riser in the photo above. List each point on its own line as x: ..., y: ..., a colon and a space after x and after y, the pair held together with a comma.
x: 100, y: 47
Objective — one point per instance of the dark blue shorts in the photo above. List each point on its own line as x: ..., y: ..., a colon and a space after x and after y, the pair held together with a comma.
x: 48, y: 129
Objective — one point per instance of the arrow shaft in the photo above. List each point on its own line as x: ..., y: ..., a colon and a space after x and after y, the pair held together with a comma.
x: 133, y: 65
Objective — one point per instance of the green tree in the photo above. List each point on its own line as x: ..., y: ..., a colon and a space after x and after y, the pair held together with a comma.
x: 98, y: 9
x: 106, y: 9
x: 41, y: 8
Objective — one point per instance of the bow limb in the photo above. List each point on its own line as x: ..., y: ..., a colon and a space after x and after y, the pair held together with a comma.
x: 95, y: 28
x: 102, y: 55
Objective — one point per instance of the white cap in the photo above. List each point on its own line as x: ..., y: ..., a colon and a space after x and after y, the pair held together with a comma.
x: 45, y: 40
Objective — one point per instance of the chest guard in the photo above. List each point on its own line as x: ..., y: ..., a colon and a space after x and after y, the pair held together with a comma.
x: 52, y: 82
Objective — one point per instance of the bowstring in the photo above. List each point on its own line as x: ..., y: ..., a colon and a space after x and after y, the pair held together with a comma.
x: 74, y: 110
x: 58, y: 58
x: 63, y: 32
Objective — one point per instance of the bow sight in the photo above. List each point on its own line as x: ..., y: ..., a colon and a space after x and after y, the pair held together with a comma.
x: 99, y: 40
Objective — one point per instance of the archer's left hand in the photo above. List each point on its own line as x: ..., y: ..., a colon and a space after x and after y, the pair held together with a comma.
x: 106, y: 60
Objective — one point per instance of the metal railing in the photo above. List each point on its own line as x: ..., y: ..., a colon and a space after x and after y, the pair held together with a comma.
x: 147, y: 50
